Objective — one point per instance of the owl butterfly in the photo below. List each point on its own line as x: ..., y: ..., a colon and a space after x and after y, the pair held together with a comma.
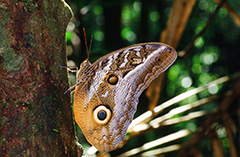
x: 107, y: 91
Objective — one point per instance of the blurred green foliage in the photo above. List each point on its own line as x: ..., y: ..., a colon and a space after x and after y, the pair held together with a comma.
x: 216, y: 53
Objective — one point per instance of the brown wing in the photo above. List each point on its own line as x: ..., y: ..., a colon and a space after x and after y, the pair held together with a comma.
x: 113, y: 84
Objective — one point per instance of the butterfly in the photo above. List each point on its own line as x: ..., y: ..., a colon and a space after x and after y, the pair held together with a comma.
x: 107, y: 91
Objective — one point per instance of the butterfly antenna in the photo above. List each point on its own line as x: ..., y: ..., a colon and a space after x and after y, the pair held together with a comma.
x: 71, y: 88
x: 69, y: 68
x: 86, y: 42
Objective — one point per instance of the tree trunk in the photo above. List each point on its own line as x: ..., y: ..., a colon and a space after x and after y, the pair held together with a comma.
x: 36, y: 117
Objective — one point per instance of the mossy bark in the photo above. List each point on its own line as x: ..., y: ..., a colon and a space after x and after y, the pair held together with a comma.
x: 36, y: 117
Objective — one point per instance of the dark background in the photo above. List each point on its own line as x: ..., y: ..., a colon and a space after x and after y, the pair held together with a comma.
x: 116, y: 24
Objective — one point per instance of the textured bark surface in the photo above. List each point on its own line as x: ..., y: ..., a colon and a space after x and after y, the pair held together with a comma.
x: 36, y: 116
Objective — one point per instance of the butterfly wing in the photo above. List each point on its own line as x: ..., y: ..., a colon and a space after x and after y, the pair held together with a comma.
x: 105, y: 102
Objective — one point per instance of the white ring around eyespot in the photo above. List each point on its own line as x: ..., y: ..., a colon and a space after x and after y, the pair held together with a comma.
x: 95, y: 115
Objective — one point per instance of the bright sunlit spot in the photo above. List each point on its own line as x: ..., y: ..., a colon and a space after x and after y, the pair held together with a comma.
x: 98, y: 10
x: 98, y: 35
x: 70, y: 27
x: 137, y: 6
x: 69, y: 36
x: 174, y: 72
x: 191, y: 126
x: 205, y: 78
x: 199, y: 42
x: 208, y: 59
x: 128, y: 34
x: 210, y: 55
x: 140, y: 127
x: 75, y: 39
x: 196, y: 68
x: 154, y: 16
x: 69, y: 50
x: 223, y: 12
x: 91, y: 151
x: 126, y: 14
x: 203, y: 4
x: 221, y: 131
x: 186, y: 82
x: 213, y: 89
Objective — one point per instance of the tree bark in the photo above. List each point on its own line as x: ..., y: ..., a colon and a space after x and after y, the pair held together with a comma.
x: 36, y: 117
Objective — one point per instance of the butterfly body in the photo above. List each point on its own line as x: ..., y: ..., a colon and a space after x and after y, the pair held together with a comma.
x: 106, y: 96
